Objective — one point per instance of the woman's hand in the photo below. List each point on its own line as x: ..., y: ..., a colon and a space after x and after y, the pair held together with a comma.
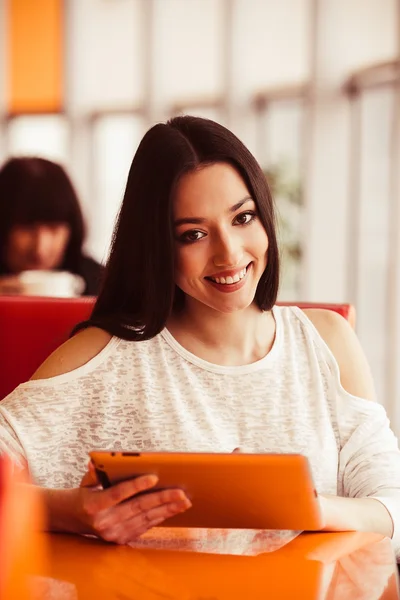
x: 118, y: 514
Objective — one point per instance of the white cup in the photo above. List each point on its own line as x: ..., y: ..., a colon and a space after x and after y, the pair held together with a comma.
x: 51, y: 283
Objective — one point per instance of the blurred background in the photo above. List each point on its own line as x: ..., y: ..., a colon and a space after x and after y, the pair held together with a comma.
x: 311, y: 86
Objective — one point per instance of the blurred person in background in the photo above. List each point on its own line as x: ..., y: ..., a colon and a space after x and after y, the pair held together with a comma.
x: 41, y: 226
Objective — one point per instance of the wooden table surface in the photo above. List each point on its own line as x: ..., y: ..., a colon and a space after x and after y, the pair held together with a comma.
x: 326, y: 566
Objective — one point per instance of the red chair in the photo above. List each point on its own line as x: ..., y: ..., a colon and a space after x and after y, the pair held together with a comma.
x: 32, y: 327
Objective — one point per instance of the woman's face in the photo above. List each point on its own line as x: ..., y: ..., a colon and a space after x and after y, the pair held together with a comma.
x: 36, y: 246
x: 220, y: 243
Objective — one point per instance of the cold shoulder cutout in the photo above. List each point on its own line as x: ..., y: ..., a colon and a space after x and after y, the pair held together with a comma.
x: 74, y: 353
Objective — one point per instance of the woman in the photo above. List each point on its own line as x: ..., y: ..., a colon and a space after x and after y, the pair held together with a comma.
x: 41, y: 224
x: 186, y: 351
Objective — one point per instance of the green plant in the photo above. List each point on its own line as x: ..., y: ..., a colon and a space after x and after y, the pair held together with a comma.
x: 287, y: 192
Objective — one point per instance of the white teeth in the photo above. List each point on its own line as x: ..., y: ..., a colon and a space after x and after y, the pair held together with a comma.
x: 229, y: 280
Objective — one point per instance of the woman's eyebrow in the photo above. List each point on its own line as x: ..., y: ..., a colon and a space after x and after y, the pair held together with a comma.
x: 236, y: 207
x: 200, y: 220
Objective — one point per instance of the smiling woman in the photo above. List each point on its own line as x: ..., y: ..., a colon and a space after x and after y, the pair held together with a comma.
x: 187, y: 351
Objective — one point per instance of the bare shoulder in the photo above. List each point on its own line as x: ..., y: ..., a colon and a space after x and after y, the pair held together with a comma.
x: 330, y: 324
x: 74, y: 353
x: 340, y: 337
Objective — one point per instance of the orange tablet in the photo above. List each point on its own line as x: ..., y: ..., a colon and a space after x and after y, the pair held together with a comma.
x: 238, y: 491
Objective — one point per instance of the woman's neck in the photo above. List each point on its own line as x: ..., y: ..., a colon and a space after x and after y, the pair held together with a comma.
x: 238, y: 338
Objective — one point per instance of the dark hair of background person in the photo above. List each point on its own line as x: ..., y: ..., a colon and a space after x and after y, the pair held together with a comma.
x: 36, y: 190
x: 139, y: 291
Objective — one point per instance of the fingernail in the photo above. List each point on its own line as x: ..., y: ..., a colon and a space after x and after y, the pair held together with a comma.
x: 179, y: 506
x: 150, y: 480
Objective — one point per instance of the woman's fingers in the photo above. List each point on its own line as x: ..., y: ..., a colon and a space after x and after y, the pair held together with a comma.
x: 119, y: 493
x: 113, y: 529
x: 147, y: 502
x: 162, y: 504
x: 156, y: 506
x: 127, y: 535
x: 122, y: 512
x: 163, y: 511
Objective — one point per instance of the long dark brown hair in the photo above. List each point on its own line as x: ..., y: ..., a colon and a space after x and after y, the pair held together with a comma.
x: 139, y: 291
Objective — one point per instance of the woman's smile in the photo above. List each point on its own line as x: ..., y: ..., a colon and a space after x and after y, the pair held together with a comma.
x: 229, y: 281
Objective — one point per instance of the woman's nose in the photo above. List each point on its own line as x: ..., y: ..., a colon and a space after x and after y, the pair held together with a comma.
x: 228, y: 252
x: 43, y: 242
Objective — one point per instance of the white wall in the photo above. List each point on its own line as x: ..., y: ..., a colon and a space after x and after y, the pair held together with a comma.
x: 351, y: 35
x: 271, y: 48
x: 187, y: 59
x: 105, y: 54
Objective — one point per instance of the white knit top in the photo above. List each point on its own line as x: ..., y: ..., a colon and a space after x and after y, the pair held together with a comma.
x: 155, y: 395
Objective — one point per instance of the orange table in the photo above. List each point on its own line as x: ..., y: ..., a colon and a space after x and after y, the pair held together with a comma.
x: 320, y: 565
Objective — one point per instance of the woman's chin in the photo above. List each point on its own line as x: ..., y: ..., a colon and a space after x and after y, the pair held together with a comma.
x: 223, y: 303
x: 231, y: 306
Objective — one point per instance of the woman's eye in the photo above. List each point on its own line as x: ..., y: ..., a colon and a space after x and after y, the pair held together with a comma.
x: 191, y: 236
x: 245, y: 218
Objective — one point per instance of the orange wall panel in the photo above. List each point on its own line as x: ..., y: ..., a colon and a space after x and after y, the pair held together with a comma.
x: 35, y: 54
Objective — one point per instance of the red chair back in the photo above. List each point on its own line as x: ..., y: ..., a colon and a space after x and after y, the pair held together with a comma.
x: 32, y: 327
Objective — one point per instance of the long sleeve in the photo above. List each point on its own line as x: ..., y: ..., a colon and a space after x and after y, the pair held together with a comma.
x: 369, y: 460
